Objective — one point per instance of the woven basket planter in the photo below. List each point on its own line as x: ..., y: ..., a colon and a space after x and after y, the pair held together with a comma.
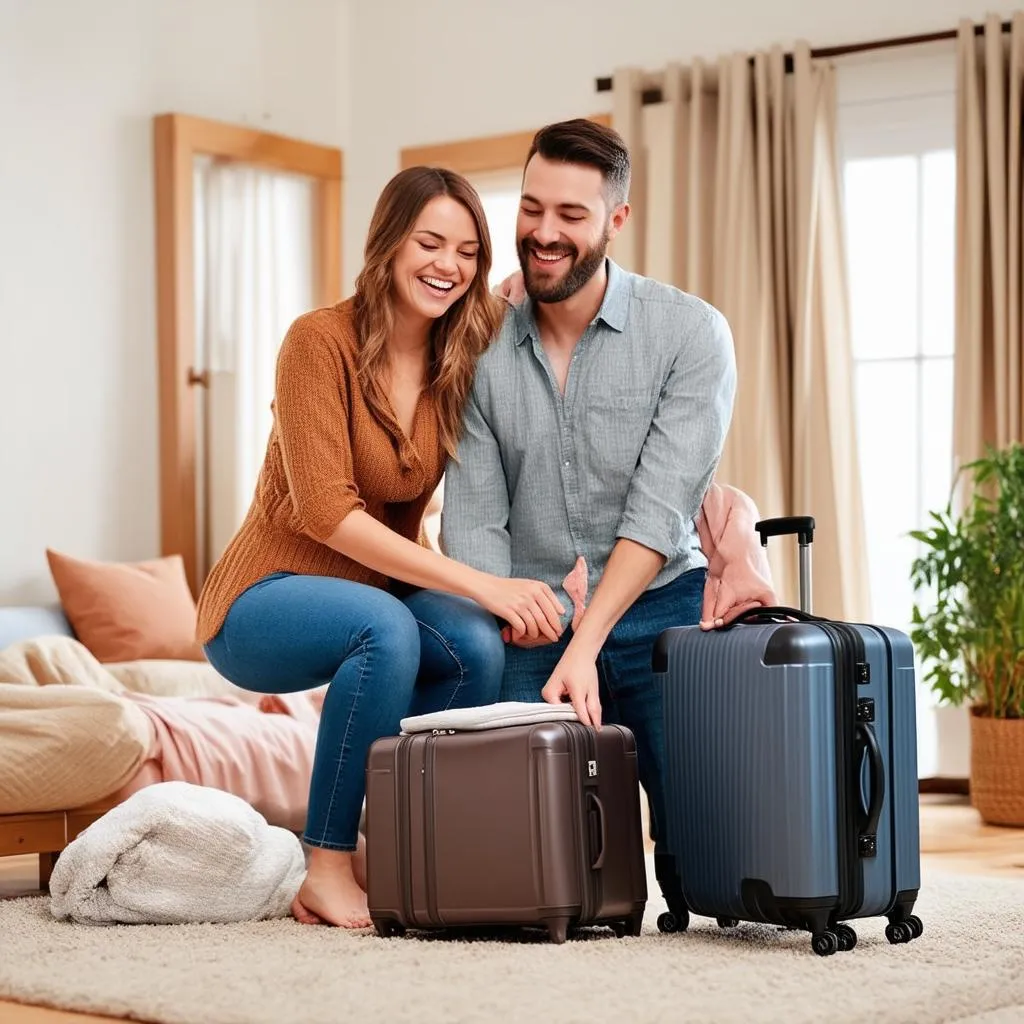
x: 997, y: 769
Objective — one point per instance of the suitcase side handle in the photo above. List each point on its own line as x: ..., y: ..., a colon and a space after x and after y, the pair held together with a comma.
x: 595, y: 800
x: 867, y: 841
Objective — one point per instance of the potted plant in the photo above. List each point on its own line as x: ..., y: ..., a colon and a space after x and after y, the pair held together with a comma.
x: 971, y: 636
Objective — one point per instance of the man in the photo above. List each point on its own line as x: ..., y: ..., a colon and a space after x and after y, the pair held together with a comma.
x: 593, y: 429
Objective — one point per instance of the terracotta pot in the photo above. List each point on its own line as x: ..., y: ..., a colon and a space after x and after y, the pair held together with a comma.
x: 997, y: 768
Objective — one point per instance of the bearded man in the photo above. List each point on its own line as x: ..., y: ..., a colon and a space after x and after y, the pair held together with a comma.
x: 594, y: 426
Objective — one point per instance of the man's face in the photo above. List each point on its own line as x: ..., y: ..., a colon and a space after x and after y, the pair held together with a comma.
x: 563, y: 228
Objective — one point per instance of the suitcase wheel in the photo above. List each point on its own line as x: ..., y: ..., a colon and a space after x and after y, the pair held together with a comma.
x: 389, y: 929
x: 900, y: 932
x: 825, y: 943
x: 670, y: 921
x: 727, y: 922
x: 630, y: 926
x: 847, y: 937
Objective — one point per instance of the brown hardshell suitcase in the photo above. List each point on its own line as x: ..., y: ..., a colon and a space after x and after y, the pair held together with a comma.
x: 523, y: 825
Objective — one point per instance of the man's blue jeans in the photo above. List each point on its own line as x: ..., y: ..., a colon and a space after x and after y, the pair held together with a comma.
x: 629, y: 695
x: 384, y: 657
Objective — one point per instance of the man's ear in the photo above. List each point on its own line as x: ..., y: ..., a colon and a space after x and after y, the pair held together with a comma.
x: 620, y: 215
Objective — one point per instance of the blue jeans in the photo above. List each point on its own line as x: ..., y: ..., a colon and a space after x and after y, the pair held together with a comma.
x: 384, y: 658
x: 629, y: 695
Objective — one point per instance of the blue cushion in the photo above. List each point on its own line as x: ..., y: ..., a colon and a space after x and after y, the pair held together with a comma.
x: 30, y: 621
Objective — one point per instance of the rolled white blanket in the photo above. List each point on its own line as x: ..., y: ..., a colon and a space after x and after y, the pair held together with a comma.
x: 176, y: 853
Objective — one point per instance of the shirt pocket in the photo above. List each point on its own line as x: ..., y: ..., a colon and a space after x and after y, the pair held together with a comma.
x: 615, y: 427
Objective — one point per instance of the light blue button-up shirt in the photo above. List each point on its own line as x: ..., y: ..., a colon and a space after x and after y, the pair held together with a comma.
x: 627, y: 452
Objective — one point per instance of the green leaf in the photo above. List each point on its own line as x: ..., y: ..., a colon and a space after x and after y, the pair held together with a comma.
x: 968, y: 615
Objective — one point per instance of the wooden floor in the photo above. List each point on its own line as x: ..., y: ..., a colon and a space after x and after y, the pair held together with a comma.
x: 953, y: 838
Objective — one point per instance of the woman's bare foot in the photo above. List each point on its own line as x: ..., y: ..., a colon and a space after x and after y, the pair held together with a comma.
x: 302, y: 915
x: 331, y: 893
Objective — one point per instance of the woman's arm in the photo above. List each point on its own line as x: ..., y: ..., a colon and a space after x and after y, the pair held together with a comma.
x: 316, y: 451
x: 527, y: 605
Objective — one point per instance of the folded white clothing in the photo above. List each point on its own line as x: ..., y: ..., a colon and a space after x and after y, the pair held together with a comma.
x: 490, y: 716
x: 176, y: 853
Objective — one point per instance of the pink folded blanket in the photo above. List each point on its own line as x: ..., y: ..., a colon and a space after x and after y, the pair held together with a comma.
x: 739, y: 576
x: 221, y: 742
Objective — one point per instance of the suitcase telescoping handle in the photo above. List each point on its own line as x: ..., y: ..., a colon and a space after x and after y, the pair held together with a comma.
x: 803, y: 527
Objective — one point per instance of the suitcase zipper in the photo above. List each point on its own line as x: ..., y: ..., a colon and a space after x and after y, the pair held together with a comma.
x: 891, y: 783
x: 585, y: 766
x: 430, y: 854
x: 403, y: 784
x: 850, y: 664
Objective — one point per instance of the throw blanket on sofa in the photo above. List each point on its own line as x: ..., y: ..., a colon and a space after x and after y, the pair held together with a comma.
x: 176, y: 853
x: 266, y: 759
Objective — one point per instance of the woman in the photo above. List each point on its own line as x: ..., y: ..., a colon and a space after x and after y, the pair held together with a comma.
x: 325, y: 581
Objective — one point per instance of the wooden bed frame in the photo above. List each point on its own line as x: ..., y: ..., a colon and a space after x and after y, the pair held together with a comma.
x: 46, y: 834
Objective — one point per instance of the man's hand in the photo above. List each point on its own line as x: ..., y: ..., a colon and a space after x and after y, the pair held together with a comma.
x: 512, y: 289
x: 575, y: 677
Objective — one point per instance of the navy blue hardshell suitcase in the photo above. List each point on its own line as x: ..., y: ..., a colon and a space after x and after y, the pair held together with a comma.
x: 791, y: 771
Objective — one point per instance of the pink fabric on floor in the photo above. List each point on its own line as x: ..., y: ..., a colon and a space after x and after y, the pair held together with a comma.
x: 739, y: 576
x: 266, y: 759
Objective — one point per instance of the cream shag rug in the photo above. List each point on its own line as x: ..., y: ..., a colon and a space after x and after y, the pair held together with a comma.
x: 968, y: 965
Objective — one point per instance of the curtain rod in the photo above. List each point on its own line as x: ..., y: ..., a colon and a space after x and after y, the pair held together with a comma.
x: 655, y: 95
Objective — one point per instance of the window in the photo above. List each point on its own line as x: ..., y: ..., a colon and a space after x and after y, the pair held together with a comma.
x: 499, y: 192
x: 899, y: 188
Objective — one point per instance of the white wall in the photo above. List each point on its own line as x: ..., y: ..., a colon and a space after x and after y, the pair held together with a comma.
x: 79, y: 84
x: 424, y: 73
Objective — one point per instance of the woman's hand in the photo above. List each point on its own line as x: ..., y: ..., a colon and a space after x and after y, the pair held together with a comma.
x: 528, y: 606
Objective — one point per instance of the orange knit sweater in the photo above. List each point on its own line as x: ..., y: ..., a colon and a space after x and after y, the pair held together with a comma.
x: 327, y: 455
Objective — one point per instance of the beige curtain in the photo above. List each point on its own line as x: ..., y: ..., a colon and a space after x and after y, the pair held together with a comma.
x: 736, y: 198
x: 989, y: 348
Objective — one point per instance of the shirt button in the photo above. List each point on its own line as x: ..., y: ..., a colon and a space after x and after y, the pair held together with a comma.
x: 567, y: 462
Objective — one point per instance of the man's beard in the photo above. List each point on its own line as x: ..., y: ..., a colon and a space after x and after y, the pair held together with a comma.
x: 581, y: 270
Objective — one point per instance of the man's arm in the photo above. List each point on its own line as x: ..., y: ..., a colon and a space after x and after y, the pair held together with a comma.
x: 685, y: 442
x: 474, y: 516
x: 629, y: 571
x: 675, y: 468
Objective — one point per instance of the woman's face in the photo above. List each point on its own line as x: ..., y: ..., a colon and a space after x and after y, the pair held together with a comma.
x: 436, y: 264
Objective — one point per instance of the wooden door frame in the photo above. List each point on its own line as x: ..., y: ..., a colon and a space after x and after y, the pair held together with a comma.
x: 477, y: 156
x: 177, y: 140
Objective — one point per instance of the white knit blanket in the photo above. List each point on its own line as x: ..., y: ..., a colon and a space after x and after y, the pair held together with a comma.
x: 177, y: 853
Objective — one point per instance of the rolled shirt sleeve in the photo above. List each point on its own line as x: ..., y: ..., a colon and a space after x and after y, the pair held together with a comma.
x: 313, y: 431
x: 685, y: 441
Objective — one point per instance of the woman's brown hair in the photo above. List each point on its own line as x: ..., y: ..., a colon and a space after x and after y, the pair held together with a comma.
x: 457, y: 338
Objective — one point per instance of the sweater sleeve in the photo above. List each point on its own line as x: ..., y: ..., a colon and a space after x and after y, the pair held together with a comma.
x: 313, y: 424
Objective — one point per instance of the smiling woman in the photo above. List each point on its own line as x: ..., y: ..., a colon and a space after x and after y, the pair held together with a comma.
x: 326, y: 581
x: 428, y: 248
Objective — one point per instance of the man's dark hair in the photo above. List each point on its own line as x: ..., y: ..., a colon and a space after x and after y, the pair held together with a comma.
x: 591, y: 144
